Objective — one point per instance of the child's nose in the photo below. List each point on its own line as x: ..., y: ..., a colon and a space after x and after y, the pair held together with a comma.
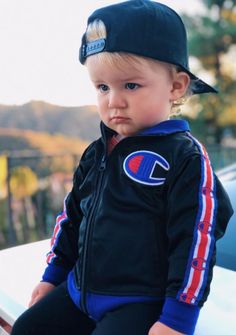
x: 116, y: 100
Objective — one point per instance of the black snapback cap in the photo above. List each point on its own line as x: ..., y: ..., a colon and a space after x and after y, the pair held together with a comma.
x: 144, y: 28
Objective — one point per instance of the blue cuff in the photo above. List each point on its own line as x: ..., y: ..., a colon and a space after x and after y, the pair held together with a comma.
x: 179, y: 316
x: 55, y: 274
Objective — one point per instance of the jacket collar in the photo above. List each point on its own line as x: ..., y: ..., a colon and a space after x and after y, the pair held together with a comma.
x: 167, y: 127
x: 163, y: 128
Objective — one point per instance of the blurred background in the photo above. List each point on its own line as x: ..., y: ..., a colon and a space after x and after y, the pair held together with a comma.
x: 48, y: 107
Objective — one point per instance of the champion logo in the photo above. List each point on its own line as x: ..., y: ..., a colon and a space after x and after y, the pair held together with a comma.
x: 199, y: 264
x: 205, y: 227
x: 140, y: 166
x: 190, y: 299
x: 208, y: 192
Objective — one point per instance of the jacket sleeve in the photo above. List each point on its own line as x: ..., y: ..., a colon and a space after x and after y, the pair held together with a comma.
x: 198, y: 211
x: 64, y: 241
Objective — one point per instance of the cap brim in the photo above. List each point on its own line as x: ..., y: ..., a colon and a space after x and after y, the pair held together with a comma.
x: 198, y: 86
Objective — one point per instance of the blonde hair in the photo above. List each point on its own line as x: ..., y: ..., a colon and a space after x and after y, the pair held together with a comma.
x: 97, y: 30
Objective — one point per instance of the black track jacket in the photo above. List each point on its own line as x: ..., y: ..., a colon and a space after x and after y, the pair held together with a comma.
x: 142, y: 221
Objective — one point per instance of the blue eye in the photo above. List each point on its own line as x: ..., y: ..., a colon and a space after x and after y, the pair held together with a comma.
x: 103, y: 88
x: 131, y: 86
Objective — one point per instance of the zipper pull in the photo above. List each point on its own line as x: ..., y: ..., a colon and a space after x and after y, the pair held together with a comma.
x: 103, y: 163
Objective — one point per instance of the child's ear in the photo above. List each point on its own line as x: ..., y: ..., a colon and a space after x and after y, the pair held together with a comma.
x: 180, y: 85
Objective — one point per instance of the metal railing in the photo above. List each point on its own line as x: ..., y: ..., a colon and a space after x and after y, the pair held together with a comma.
x: 50, y: 170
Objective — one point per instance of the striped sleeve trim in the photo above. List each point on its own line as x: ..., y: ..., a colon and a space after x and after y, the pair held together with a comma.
x: 196, y: 274
x: 62, y: 217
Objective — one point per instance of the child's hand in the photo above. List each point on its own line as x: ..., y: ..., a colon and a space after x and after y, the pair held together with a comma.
x: 40, y: 291
x: 160, y: 329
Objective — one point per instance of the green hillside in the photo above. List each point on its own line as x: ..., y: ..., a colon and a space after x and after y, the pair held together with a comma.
x: 15, y: 139
x: 81, y: 122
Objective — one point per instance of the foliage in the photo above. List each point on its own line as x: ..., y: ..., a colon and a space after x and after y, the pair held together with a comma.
x: 3, y: 168
x: 17, y: 139
x: 212, y: 39
x: 42, y: 152
x: 23, y: 182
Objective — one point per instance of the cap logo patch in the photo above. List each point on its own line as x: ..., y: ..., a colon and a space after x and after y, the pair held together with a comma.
x: 94, y: 47
x: 140, y: 166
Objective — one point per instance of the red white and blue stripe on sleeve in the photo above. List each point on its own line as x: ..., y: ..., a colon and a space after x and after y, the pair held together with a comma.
x: 56, y: 274
x: 182, y: 313
x: 62, y: 217
x: 203, y: 241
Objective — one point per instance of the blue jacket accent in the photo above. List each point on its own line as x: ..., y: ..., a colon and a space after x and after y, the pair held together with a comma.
x: 167, y: 127
x: 98, y: 305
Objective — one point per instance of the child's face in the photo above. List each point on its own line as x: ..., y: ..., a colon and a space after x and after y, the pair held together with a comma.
x: 132, y: 97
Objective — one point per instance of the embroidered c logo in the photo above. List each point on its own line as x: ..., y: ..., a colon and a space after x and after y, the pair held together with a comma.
x: 140, y: 166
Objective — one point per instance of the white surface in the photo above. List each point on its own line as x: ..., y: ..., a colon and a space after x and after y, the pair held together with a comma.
x: 9, y: 309
x: 22, y: 268
x: 218, y: 316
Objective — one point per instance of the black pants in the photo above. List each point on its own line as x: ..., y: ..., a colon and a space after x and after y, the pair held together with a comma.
x: 56, y: 314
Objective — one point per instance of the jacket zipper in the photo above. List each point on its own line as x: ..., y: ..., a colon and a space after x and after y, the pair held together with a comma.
x: 88, y: 234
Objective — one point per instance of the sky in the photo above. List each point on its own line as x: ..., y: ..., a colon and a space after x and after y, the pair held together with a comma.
x: 39, y: 43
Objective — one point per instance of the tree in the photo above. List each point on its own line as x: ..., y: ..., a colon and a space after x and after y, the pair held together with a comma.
x: 3, y: 175
x: 23, y: 184
x: 212, y: 39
